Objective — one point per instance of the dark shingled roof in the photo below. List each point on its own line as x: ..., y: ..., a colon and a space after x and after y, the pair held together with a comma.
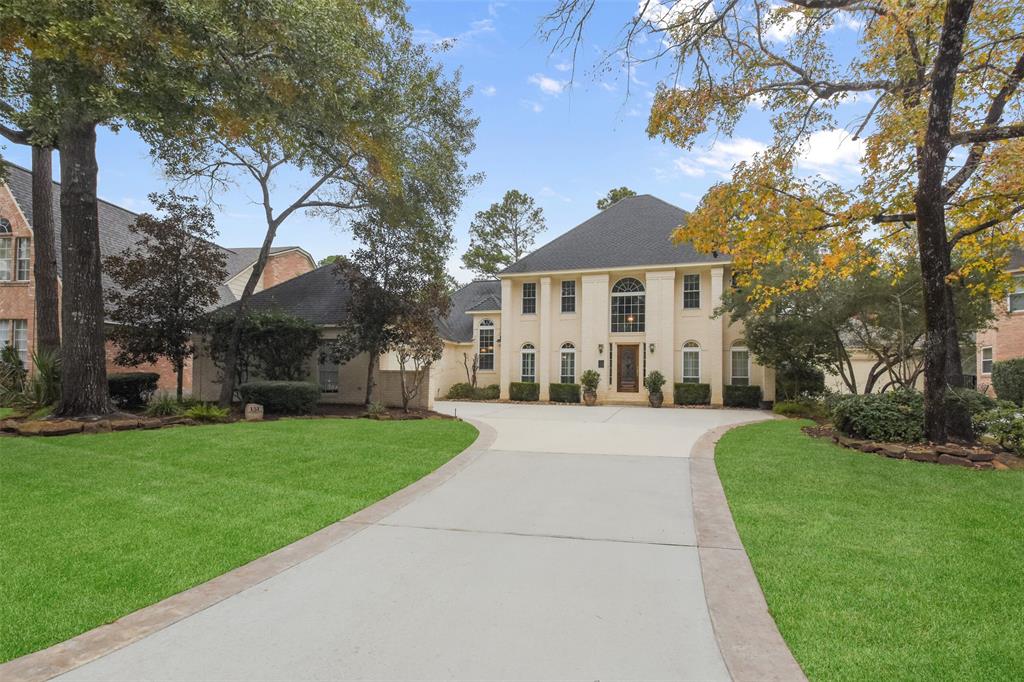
x: 319, y: 296
x: 480, y: 295
x: 634, y: 231
x: 115, y: 227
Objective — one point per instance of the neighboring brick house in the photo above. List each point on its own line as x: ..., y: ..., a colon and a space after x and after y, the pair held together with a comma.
x: 17, y: 266
x: 1005, y: 339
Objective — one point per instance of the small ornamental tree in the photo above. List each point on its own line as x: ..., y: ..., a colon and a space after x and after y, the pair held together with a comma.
x: 417, y: 347
x: 614, y: 196
x: 165, y: 283
x: 504, y: 233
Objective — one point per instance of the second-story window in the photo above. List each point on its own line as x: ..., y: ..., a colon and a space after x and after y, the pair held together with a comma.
x: 691, y: 291
x: 529, y: 298
x: 486, y: 352
x: 569, y: 296
x: 1017, y: 294
x: 22, y: 259
x: 629, y: 305
x: 6, y: 252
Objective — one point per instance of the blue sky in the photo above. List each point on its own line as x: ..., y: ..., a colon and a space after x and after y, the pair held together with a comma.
x: 566, y: 144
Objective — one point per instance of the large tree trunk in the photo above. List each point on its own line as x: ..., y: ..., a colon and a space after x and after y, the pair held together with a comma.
x: 933, y: 244
x: 370, y: 367
x: 47, y: 315
x: 179, y: 367
x: 84, y: 368
x: 227, y: 386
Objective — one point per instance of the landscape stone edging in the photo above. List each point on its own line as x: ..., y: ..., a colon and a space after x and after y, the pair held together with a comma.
x: 747, y: 636
x: 948, y: 453
x: 100, y: 641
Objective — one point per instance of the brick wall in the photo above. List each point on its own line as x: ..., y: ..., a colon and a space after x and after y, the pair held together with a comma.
x: 18, y: 299
x: 285, y: 266
x: 1006, y: 340
x: 168, y: 378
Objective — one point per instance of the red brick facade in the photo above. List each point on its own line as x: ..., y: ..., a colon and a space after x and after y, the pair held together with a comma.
x: 1006, y: 341
x: 284, y: 266
x: 18, y: 299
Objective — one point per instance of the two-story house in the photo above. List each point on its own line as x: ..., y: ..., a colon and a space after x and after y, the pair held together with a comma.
x: 17, y: 266
x: 1005, y: 339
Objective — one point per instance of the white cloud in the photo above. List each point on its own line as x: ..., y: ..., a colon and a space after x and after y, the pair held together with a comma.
x: 563, y: 67
x: 493, y: 7
x: 718, y: 159
x: 488, y: 90
x: 608, y: 87
x: 665, y: 16
x: 535, y: 107
x: 550, y: 193
x: 476, y: 28
x: 549, y: 86
x: 832, y: 152
x: 783, y: 23
x: 687, y: 168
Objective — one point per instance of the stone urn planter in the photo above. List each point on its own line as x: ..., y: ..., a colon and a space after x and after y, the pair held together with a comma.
x: 589, y: 396
x: 653, y: 383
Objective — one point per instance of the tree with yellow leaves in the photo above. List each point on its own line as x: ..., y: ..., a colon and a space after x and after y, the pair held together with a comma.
x: 943, y: 171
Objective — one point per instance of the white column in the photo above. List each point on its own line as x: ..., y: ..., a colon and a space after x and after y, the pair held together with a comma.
x: 593, y: 311
x: 661, y: 327
x: 506, y: 343
x: 544, y: 350
x: 716, y: 350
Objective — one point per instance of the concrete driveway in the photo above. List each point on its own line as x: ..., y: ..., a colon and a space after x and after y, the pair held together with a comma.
x: 565, y: 551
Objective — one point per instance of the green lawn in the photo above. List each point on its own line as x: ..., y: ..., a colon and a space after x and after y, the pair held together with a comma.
x: 880, y: 569
x: 6, y: 412
x: 97, y: 526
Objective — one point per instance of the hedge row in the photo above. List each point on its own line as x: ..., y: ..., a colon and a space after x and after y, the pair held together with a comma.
x: 282, y: 397
x: 742, y: 396
x: 523, y: 390
x: 132, y: 390
x: 466, y: 391
x: 691, y: 394
x: 564, y: 393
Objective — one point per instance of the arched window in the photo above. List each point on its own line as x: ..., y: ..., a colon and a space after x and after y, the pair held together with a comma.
x: 5, y: 226
x: 739, y: 362
x: 628, y: 305
x: 567, y: 363
x: 485, y: 357
x: 529, y: 363
x: 691, y: 362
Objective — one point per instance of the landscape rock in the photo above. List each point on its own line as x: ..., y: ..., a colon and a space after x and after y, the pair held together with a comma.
x: 981, y: 455
x: 983, y: 465
x: 958, y: 461
x: 124, y: 424
x: 951, y: 449
x: 62, y: 427
x: 919, y: 454
x: 892, y: 450
x: 8, y: 426
x: 869, y: 446
x: 101, y: 426
x: 850, y: 442
x: 150, y: 423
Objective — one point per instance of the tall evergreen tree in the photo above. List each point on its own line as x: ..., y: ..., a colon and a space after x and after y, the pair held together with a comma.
x: 503, y: 233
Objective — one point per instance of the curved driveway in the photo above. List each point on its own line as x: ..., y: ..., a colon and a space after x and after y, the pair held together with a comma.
x: 565, y: 551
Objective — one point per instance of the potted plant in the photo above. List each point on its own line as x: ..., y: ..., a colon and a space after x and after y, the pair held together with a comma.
x: 589, y: 380
x: 653, y: 383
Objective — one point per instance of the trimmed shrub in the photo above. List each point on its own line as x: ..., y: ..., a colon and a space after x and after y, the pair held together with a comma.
x: 1004, y: 424
x: 804, y: 407
x: 524, y: 390
x: 1008, y: 380
x: 742, y: 396
x: 793, y: 381
x: 654, y: 382
x: 132, y: 390
x: 207, y: 413
x: 282, y: 397
x: 466, y: 391
x: 590, y: 379
x: 692, y: 394
x: 891, y: 416
x: 564, y: 393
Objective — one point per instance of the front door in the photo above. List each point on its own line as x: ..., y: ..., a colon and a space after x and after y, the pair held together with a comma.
x: 628, y: 373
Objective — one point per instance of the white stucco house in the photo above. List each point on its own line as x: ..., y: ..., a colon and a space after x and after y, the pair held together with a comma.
x: 613, y: 294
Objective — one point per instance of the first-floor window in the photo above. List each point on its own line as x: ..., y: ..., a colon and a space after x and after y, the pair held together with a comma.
x: 691, y: 363
x: 986, y: 360
x: 568, y: 364
x: 485, y: 359
x: 529, y: 364
x: 740, y: 366
x: 14, y: 333
x: 327, y: 370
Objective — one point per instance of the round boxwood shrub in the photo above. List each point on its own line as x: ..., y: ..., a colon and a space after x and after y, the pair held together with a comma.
x: 282, y: 397
x: 461, y: 391
x: 524, y: 390
x: 1008, y: 380
x: 691, y: 394
x: 892, y: 416
x: 132, y: 390
x: 564, y: 393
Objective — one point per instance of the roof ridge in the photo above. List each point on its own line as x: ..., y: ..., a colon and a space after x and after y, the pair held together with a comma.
x: 58, y: 184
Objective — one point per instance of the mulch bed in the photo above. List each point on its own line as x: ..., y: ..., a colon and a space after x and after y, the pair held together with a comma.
x: 971, y: 456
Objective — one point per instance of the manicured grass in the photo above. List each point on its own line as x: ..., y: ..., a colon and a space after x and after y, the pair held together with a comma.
x: 6, y: 412
x: 97, y: 526
x: 876, y: 568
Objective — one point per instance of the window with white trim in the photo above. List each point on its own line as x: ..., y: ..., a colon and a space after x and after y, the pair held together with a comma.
x: 691, y: 292
x: 691, y: 362
x: 567, y: 364
x: 21, y: 259
x: 6, y: 259
x: 528, y: 364
x: 629, y: 305
x: 569, y: 296
x: 1016, y: 302
x: 485, y: 357
x: 529, y: 298
x: 15, y: 333
x: 327, y: 369
x: 740, y: 366
x: 986, y: 360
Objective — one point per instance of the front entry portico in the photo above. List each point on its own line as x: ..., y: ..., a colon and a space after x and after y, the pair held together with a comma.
x: 626, y: 370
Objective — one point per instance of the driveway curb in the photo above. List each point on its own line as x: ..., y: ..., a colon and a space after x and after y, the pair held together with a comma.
x: 747, y: 636
x: 98, y: 642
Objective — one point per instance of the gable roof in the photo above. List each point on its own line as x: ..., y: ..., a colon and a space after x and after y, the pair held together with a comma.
x: 318, y: 296
x: 634, y: 231
x: 115, y: 225
x: 480, y: 295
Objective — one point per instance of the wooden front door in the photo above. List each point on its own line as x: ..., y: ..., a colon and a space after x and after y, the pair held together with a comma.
x: 627, y: 371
